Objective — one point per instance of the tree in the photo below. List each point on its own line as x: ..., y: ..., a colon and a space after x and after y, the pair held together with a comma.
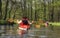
x: 52, y: 11
x: 0, y: 9
x: 44, y: 10
x: 6, y: 9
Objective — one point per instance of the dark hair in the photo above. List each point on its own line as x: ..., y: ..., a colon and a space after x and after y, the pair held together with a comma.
x: 25, y: 22
x: 24, y: 17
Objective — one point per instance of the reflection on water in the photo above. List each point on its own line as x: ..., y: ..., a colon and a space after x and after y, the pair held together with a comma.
x: 43, y: 36
x: 32, y: 33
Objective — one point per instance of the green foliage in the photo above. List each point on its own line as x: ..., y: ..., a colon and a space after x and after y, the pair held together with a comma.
x: 33, y: 9
x: 55, y: 23
x: 3, y: 22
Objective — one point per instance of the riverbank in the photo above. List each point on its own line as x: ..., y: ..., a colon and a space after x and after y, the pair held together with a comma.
x: 55, y: 23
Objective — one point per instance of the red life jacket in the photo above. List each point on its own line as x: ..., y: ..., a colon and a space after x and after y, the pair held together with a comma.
x: 22, y: 25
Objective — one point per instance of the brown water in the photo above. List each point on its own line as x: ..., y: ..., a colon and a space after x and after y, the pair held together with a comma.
x: 47, y: 32
x: 35, y: 33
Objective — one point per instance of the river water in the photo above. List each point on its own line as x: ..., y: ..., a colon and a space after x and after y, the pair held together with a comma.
x: 43, y: 32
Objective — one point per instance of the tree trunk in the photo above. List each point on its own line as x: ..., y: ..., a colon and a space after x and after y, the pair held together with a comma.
x: 22, y: 7
x: 0, y: 9
x: 31, y: 9
x: 52, y: 13
x: 10, y: 9
x: 35, y: 12
x: 44, y: 10
x: 24, y: 14
x: 6, y: 9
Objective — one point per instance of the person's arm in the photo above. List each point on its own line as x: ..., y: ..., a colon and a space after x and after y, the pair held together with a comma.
x: 19, y: 21
x: 30, y: 22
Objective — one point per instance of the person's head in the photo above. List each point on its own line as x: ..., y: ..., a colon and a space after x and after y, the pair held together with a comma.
x: 24, y: 17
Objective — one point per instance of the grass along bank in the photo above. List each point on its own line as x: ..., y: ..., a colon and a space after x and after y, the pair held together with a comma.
x: 55, y: 23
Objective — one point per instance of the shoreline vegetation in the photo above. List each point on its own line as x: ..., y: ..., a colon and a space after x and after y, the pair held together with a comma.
x: 50, y: 23
x: 55, y: 23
